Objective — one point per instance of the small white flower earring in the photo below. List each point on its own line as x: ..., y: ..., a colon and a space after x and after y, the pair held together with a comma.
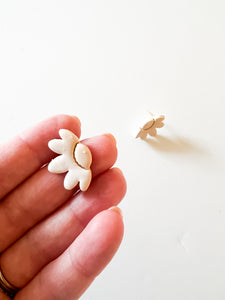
x: 75, y: 158
x: 150, y: 125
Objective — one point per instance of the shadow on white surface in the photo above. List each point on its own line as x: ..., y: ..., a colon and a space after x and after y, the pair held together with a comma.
x: 174, y: 145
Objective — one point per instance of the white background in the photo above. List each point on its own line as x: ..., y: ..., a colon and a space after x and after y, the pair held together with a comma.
x: 109, y: 62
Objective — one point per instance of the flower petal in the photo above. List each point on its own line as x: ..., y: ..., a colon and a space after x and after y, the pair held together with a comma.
x: 159, y: 124
x: 68, y: 135
x: 58, y: 165
x: 83, y: 156
x: 152, y: 131
x: 56, y: 145
x: 85, y: 180
x: 70, y: 180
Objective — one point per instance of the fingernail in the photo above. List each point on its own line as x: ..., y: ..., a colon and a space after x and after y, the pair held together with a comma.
x: 77, y: 119
x: 109, y: 135
x: 117, y: 210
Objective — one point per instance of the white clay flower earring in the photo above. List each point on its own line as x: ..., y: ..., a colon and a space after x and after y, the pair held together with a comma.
x: 74, y: 157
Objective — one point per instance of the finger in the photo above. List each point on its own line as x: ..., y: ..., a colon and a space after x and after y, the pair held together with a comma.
x: 44, y: 192
x: 27, y: 152
x: 68, y: 276
x: 3, y: 296
x: 23, y: 260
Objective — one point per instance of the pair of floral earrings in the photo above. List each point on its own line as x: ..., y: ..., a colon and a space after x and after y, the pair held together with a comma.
x: 75, y: 158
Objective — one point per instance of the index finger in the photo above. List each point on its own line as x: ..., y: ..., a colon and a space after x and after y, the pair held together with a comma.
x: 29, y: 151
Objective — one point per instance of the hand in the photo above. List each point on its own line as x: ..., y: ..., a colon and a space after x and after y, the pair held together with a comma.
x: 54, y: 242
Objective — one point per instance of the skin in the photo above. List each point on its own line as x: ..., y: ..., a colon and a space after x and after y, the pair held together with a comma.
x: 54, y: 242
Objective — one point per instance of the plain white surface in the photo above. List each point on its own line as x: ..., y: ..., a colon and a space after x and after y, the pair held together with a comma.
x: 109, y: 62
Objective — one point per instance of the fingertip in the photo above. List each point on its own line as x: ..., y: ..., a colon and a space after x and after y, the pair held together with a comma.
x: 112, y: 226
x: 116, y: 214
x: 111, y: 137
x: 104, y: 152
x: 105, y: 231
x: 122, y: 178
x: 106, y: 190
x: 77, y: 120
x: 117, y: 210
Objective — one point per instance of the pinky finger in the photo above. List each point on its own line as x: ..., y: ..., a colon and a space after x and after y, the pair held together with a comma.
x: 68, y: 276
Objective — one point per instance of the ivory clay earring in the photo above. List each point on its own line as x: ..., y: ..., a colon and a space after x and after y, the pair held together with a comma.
x: 75, y: 158
x: 150, y: 125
